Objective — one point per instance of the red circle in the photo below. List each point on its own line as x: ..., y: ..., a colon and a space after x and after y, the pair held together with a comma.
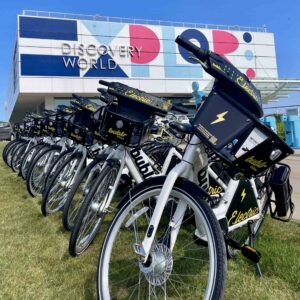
x: 250, y: 73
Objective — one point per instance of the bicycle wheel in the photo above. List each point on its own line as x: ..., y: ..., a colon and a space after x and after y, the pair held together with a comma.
x: 55, y: 196
x: 55, y: 165
x: 38, y: 169
x: 6, y: 148
x: 93, y: 209
x: 17, y: 156
x: 10, y: 152
x: 28, y: 158
x: 79, y: 191
x: 188, y: 271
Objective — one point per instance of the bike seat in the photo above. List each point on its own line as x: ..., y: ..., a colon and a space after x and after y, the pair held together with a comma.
x: 185, y: 128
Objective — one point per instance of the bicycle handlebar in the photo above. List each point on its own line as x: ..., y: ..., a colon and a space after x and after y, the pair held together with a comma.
x: 200, y: 53
x: 103, y: 82
x: 179, y: 109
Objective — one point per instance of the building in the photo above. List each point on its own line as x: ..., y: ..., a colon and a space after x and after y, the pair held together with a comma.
x: 59, y: 54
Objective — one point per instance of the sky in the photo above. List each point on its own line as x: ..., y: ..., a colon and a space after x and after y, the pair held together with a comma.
x: 280, y: 17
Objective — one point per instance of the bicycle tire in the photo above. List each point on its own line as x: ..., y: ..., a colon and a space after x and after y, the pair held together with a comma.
x: 72, y: 205
x: 38, y: 164
x: 28, y: 158
x: 48, y: 197
x: 7, y: 146
x: 56, y: 164
x: 10, y: 152
x: 150, y: 274
x: 17, y: 157
x: 90, y: 210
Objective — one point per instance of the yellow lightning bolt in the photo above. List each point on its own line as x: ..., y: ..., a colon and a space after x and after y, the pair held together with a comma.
x: 243, y: 195
x: 220, y: 117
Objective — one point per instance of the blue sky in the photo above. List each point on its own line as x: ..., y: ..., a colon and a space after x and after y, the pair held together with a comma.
x: 280, y: 17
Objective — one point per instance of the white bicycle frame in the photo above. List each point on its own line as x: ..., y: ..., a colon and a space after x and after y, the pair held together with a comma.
x: 124, y: 156
x: 194, y: 153
x: 83, y: 150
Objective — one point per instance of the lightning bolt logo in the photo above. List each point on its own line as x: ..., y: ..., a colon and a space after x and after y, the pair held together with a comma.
x: 220, y: 118
x: 243, y: 195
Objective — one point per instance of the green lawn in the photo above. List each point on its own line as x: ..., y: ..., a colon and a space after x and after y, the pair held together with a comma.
x: 35, y: 264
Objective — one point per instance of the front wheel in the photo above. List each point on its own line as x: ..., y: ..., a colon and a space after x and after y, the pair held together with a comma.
x: 80, y: 189
x: 57, y: 191
x: 189, y: 270
x: 94, y: 209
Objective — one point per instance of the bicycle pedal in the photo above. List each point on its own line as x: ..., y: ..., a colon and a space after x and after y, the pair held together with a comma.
x: 251, y: 253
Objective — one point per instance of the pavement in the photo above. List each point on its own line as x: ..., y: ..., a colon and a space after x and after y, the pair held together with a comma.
x: 294, y: 162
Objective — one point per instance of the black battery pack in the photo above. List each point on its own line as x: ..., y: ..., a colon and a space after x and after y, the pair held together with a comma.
x: 280, y: 185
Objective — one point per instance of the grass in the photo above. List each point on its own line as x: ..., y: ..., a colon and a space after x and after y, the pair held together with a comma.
x: 35, y: 264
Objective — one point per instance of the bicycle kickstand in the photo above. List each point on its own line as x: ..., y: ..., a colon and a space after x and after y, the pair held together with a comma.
x: 251, y: 244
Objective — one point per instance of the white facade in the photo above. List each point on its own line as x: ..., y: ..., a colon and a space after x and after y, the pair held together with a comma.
x: 57, y: 57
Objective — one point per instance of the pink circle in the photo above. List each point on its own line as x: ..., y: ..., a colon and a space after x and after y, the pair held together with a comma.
x: 250, y: 73
x: 146, y: 40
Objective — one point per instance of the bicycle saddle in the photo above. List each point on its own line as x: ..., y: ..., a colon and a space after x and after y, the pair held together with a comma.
x: 185, y: 128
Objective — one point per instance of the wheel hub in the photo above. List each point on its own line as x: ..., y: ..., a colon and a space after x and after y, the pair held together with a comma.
x: 159, y: 266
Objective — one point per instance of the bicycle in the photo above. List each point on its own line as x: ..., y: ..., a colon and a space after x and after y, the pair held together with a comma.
x: 160, y: 257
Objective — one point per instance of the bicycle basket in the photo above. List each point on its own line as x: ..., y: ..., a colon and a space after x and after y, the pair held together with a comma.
x: 55, y: 125
x: 29, y: 128
x: 221, y: 122
x: 39, y: 125
x: 81, y: 128
x: 126, y: 125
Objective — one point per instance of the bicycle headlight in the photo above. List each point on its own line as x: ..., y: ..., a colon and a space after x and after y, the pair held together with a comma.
x: 275, y: 154
x: 119, y: 124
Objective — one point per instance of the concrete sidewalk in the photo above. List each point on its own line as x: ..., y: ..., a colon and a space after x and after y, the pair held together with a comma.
x: 297, y: 152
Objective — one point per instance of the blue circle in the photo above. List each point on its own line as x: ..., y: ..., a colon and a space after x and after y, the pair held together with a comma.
x: 249, y: 54
x: 195, y: 35
x: 247, y: 37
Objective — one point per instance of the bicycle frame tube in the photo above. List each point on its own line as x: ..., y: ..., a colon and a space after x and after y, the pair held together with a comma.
x: 125, y: 156
x: 172, y: 152
x: 79, y: 148
x: 183, y: 169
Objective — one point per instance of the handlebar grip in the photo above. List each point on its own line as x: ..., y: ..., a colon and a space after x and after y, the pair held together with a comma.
x: 200, y: 53
x: 76, y: 97
x: 104, y: 99
x: 103, y: 82
x: 102, y: 90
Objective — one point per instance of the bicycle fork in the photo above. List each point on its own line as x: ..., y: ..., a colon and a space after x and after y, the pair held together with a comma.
x: 183, y: 169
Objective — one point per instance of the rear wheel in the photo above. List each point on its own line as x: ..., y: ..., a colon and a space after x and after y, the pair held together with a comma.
x: 188, y: 270
x: 93, y: 210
